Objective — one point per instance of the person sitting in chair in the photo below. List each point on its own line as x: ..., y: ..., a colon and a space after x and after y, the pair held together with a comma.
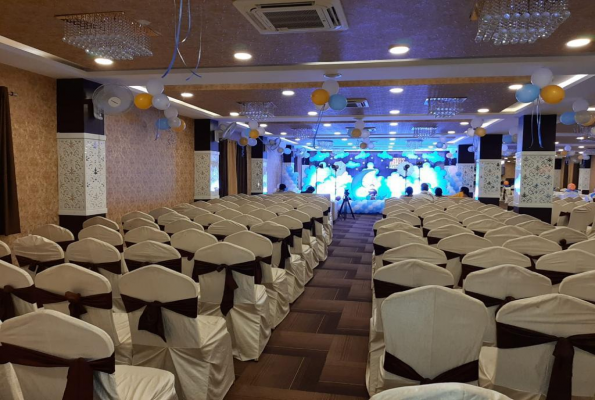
x: 438, y: 192
x: 310, y: 189
x: 464, y: 192
x: 408, y: 192
x: 282, y: 188
x: 425, y: 192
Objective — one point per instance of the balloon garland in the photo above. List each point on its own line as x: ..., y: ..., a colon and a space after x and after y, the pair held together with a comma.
x: 326, y: 98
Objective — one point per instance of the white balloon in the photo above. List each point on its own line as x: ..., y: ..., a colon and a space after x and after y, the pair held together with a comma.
x: 580, y: 105
x: 174, y: 122
x: 504, y: 147
x: 155, y: 87
x: 161, y: 102
x: 261, y: 131
x: 586, y: 157
x: 365, y: 133
x: 542, y: 77
x: 171, y: 112
x: 470, y: 132
x: 568, y: 147
x: 476, y: 122
x: 331, y: 86
x: 513, y: 131
x: 253, y: 124
x: 371, y: 146
x: 359, y: 124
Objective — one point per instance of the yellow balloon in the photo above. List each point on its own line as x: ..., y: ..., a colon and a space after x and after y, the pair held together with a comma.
x: 481, y: 132
x: 254, y: 134
x: 279, y: 150
x: 356, y: 133
x: 552, y: 94
x: 591, y: 121
x: 320, y: 97
x: 180, y: 128
x: 563, y: 153
x: 143, y: 101
x: 363, y: 146
x: 243, y: 141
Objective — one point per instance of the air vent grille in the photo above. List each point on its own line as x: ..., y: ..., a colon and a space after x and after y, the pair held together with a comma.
x: 299, y: 19
x: 357, y: 103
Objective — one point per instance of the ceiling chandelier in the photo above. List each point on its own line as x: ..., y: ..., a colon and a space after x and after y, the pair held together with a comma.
x: 415, y: 144
x: 257, y: 110
x: 107, y: 35
x: 303, y: 133
x: 444, y: 107
x: 518, y: 21
x: 324, y: 144
x: 424, y: 132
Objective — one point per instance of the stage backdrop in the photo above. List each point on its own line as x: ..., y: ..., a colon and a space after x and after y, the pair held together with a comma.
x: 379, y: 175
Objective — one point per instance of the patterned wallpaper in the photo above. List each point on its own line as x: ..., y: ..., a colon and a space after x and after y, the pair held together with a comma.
x: 144, y: 173
x: 33, y: 115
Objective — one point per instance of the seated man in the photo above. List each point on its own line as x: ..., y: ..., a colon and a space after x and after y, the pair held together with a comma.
x: 282, y: 188
x: 425, y: 193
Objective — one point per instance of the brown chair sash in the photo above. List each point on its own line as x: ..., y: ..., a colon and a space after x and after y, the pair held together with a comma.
x: 325, y: 213
x: 433, y: 240
x: 79, y: 384
x: 533, y: 260
x: 480, y: 234
x: 115, y: 267
x: 219, y: 236
x: 296, y: 232
x: 375, y: 232
x: 452, y: 255
x: 249, y: 268
x: 560, y: 388
x: 384, y: 289
x: 425, y: 231
x: 119, y: 247
x: 564, y: 244
x: 309, y: 226
x: 151, y: 320
x: 38, y: 266
x: 286, y: 244
x: 7, y: 258
x: 7, y: 310
x: 129, y: 244
x: 555, y: 276
x: 76, y: 302
x: 468, y: 372
x: 388, y: 262
x: 64, y: 245
x: 174, y: 265
x: 490, y: 301
x: 466, y: 269
x: 380, y: 250
x: 185, y: 253
x: 161, y: 227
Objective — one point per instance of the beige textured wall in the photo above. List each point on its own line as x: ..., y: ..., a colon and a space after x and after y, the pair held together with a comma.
x: 33, y: 115
x: 144, y: 173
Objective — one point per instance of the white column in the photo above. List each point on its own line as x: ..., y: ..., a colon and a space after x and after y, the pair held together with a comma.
x: 81, y: 174
x: 259, y: 176
x: 534, y: 179
x: 487, y: 179
x: 206, y: 175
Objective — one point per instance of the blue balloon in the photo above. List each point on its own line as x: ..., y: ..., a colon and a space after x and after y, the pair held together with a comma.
x: 507, y: 139
x: 528, y: 93
x: 568, y: 118
x: 337, y: 102
x: 162, y: 124
x: 287, y: 151
x: 246, y: 132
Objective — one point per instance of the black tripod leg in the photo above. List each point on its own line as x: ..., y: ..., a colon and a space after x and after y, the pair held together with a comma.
x: 341, y: 209
x: 350, y: 209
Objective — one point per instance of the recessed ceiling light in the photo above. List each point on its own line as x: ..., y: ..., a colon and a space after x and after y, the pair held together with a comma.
x: 327, y: 125
x: 556, y: 142
x: 337, y: 133
x: 392, y: 139
x: 394, y: 123
x: 398, y: 50
x: 451, y: 132
x: 581, y: 147
x: 578, y: 42
x: 267, y: 133
x: 309, y: 143
x: 435, y: 143
x: 393, y: 132
x: 297, y: 139
x: 312, y: 113
x: 283, y: 133
x: 580, y: 152
x: 263, y: 125
x: 234, y: 114
x: 396, y: 90
x: 580, y: 138
x: 242, y: 56
x: 394, y: 112
x: 516, y: 86
x: 431, y: 147
x: 186, y: 94
x: 104, y: 61
x: 353, y: 147
x: 464, y: 123
x: 483, y: 110
x: 288, y: 93
x: 344, y: 139
x: 591, y: 109
x: 349, y: 144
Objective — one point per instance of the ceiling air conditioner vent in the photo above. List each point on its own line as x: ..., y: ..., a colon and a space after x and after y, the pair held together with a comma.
x: 357, y: 103
x: 286, y: 16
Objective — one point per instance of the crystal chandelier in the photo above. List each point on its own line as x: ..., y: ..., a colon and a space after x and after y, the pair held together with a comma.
x: 414, y: 144
x: 303, y: 133
x: 257, y: 110
x: 518, y: 21
x: 108, y: 35
x: 424, y: 132
x: 324, y: 144
x: 444, y: 107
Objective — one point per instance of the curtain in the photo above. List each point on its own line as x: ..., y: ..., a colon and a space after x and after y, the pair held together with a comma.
x: 242, y: 169
x: 9, y: 204
x: 223, y: 182
x: 249, y: 172
x: 232, y: 173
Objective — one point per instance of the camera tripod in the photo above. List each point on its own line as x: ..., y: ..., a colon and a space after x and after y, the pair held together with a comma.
x: 343, y: 209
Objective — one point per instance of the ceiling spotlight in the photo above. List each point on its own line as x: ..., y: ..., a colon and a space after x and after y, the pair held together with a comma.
x: 344, y: 139
x: 556, y: 142
x: 580, y: 138
x: 186, y: 94
x: 337, y: 133
x: 288, y: 93
x: 392, y: 139
x: 242, y: 56
x: 234, y: 114
x: 349, y: 144
x: 483, y: 110
x: 297, y: 139
x: 312, y: 113
x: 309, y: 143
x: 353, y: 147
x: 578, y: 42
x: 394, y: 123
x: 393, y: 132
x: 399, y: 50
x: 267, y: 133
x: 581, y: 147
x: 327, y: 125
x: 464, y: 123
x: 516, y: 86
x: 451, y: 132
x: 396, y: 90
x: 395, y: 112
x: 104, y: 61
x: 263, y: 125
x: 283, y: 133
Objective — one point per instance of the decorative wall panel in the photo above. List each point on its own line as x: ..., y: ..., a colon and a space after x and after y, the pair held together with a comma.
x: 488, y: 177
x: 259, y: 175
x: 584, y: 178
x: 557, y: 178
x: 534, y: 181
x: 467, y: 175
x: 206, y: 175
x: 33, y: 114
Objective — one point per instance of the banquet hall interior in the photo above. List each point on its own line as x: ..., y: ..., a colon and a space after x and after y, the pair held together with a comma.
x: 297, y: 199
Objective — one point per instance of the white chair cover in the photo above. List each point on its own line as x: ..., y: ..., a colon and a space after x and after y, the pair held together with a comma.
x: 406, y: 216
x: 504, y: 216
x: 415, y: 251
x: 15, y: 277
x: 201, y: 204
x: 247, y: 208
x: 564, y: 236
x: 188, y: 242
x: 492, y: 210
x: 273, y: 279
x: 476, y: 218
x: 500, y: 235
x: 580, y: 285
x: 72, y: 278
x: 481, y: 227
x: 229, y: 204
x: 169, y: 218
x: 181, y: 225
x: 568, y: 262
x: 225, y: 228
x: 457, y: 246
x: 440, y: 391
x: 5, y: 253
x: 581, y: 217
x: 390, y: 240
x: 247, y: 321
x: 320, y: 245
x: 400, y: 226
x: 101, y: 221
x: 182, y: 207
x: 263, y: 214
x: 144, y: 233
x: 437, y: 234
x: 134, y: 223
x: 467, y: 214
x: 536, y: 227
x: 36, y: 248
x: 433, y: 330
x: 437, y: 223
x: 489, y: 257
x: 228, y: 213
x: 524, y: 372
x: 207, y: 219
x: 197, y: 349
x: 585, y: 245
x: 158, y: 212
x: 519, y: 219
x: 104, y: 234
x: 438, y: 216
x: 532, y: 246
x: 279, y: 208
x: 387, y: 221
x: 309, y: 254
x: 137, y: 214
x: 54, y: 233
x: 194, y: 212
x: 247, y: 220
x: 502, y: 282
x: 150, y: 252
x: 60, y: 335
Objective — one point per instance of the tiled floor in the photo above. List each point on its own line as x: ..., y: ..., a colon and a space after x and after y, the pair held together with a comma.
x: 319, y: 351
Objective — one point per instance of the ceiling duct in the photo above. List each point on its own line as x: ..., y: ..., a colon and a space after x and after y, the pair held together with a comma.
x: 357, y: 103
x: 286, y: 16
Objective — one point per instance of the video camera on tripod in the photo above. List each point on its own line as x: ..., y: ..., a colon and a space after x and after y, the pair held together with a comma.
x: 346, y: 204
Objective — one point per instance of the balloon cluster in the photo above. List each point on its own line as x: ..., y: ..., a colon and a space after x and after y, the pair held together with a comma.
x: 579, y: 115
x: 250, y: 135
x: 157, y: 99
x: 541, y: 86
x: 476, y: 129
x: 328, y: 97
